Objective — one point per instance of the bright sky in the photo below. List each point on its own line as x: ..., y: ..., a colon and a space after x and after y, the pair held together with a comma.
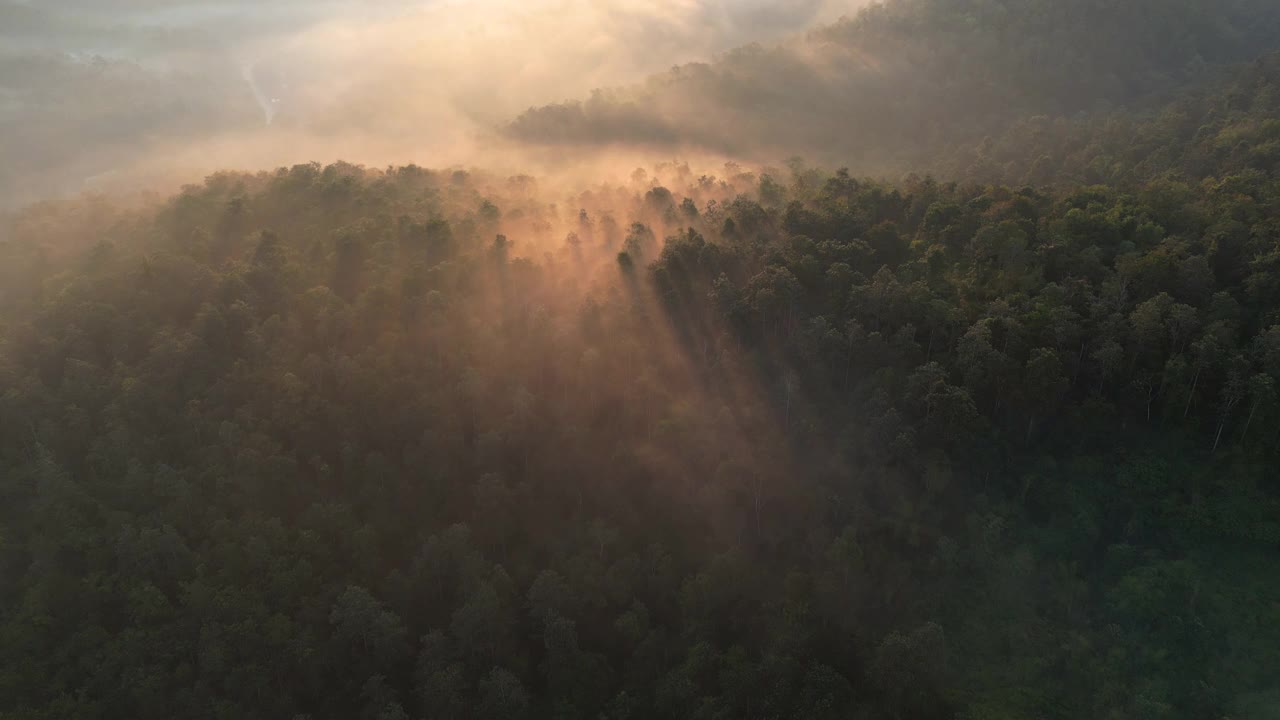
x: 367, y: 80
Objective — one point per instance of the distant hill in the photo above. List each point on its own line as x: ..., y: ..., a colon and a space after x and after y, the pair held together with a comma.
x: 903, y: 82
x: 1225, y: 125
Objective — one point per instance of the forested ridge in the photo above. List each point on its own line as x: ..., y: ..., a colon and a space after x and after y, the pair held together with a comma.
x: 994, y: 442
x: 932, y: 85
x: 1224, y: 125
x: 339, y: 442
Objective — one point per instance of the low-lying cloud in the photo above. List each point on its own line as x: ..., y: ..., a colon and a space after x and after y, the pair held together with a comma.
x: 115, y: 93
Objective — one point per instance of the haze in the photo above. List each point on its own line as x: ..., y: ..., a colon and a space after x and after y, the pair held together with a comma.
x: 639, y: 359
x: 126, y: 93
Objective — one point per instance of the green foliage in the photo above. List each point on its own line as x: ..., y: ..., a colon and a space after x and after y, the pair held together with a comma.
x: 332, y: 442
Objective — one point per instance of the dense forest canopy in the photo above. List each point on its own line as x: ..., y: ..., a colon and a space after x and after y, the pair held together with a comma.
x: 334, y: 441
x: 1227, y: 124
x: 992, y: 440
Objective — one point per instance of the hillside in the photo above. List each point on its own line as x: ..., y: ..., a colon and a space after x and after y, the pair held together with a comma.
x: 1225, y: 125
x: 902, y: 86
x: 345, y: 443
x: 983, y: 426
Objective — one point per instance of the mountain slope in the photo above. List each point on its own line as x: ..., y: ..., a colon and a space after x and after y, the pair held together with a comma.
x: 1222, y: 126
x: 335, y: 443
x: 902, y: 82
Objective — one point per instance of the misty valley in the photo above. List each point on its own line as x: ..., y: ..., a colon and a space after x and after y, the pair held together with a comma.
x: 914, y: 359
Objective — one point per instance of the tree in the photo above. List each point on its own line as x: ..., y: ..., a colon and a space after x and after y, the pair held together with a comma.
x: 502, y: 696
x: 909, y: 668
x: 1235, y: 389
x: 1205, y: 353
x: 1045, y: 385
x: 440, y: 681
x: 1262, y: 392
x: 359, y: 618
x: 484, y: 622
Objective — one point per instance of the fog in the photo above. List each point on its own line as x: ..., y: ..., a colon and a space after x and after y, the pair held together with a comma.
x: 919, y: 86
x: 120, y: 94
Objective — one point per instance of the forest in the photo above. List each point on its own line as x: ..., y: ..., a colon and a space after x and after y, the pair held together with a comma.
x: 989, y: 440
x: 908, y: 85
